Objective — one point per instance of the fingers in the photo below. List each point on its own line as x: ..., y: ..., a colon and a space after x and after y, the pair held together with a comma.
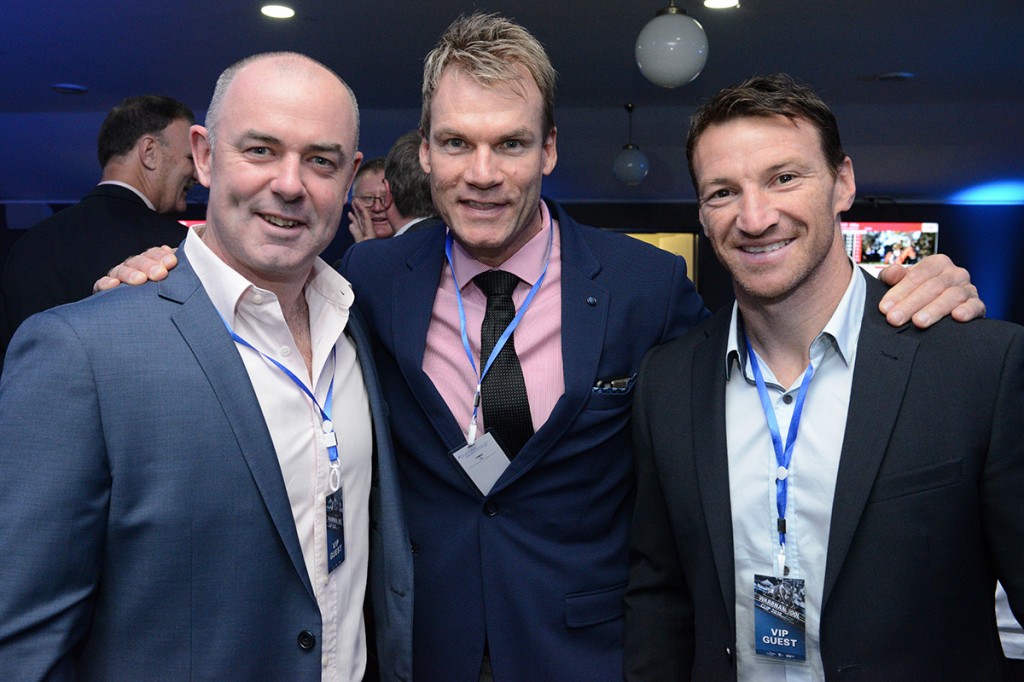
x: 361, y: 223
x: 929, y: 291
x: 153, y: 264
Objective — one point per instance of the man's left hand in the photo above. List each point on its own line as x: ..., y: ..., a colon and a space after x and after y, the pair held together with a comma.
x: 928, y: 291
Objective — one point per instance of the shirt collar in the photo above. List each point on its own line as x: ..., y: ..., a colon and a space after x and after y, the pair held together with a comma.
x: 841, y: 332
x: 527, y: 263
x: 226, y: 287
x: 129, y: 187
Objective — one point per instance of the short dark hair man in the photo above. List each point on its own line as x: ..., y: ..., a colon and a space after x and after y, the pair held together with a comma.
x: 143, y: 148
x: 412, y: 208
x: 870, y: 545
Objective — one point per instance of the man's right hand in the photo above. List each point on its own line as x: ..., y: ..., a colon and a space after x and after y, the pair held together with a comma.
x: 360, y: 223
x: 153, y: 264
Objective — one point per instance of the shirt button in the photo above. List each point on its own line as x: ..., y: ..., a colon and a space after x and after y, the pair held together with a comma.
x: 257, y: 298
x: 286, y: 351
x: 788, y: 399
x: 491, y: 509
x: 324, y: 662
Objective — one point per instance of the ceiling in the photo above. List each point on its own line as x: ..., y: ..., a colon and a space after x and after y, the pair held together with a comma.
x: 956, y: 124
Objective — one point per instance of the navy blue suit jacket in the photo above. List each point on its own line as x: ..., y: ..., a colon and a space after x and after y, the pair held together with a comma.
x: 538, y: 566
x: 145, y: 528
x: 928, y: 508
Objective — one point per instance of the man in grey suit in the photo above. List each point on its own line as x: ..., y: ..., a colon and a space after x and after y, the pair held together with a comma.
x: 820, y: 496
x: 220, y: 525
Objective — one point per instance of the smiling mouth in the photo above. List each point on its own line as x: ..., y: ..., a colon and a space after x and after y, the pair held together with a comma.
x: 280, y: 222
x: 482, y: 205
x: 768, y: 248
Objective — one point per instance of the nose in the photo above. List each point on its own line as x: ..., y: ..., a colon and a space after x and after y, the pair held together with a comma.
x: 287, y: 182
x: 756, y: 212
x: 483, y: 168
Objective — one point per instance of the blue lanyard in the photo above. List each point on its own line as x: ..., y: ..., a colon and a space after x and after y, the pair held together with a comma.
x: 783, y: 452
x: 503, y: 339
x: 330, y: 438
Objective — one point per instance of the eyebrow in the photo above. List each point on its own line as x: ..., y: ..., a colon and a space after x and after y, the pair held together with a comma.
x: 507, y: 135
x: 319, y: 147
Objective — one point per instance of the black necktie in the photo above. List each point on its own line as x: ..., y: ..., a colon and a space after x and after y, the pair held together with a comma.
x: 503, y: 392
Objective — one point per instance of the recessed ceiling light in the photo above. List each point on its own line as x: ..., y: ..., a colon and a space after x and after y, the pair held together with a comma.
x: 278, y: 11
x: 69, y: 88
x: 721, y: 4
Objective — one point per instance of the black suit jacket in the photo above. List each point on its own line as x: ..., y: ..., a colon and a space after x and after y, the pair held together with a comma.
x: 58, y: 260
x: 928, y: 508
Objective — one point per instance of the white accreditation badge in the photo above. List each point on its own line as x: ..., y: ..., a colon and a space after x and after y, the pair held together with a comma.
x: 483, y: 460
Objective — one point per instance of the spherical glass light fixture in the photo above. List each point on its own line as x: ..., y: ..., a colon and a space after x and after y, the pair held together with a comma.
x: 672, y: 48
x: 631, y: 165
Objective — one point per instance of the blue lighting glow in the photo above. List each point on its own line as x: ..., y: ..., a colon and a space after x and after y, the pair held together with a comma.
x: 1002, y: 193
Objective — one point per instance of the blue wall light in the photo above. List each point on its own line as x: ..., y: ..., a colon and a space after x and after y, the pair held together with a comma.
x: 1003, y: 193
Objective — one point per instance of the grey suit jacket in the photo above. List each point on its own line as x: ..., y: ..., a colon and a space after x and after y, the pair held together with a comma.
x: 928, y: 509
x: 145, y: 528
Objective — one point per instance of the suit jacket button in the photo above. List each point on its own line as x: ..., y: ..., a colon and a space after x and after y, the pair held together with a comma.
x: 491, y: 509
x: 728, y: 653
x: 307, y: 640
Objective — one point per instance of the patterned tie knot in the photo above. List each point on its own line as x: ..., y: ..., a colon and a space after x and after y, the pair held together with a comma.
x: 496, y: 282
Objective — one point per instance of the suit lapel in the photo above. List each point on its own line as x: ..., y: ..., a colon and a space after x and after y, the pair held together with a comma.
x: 200, y: 326
x: 585, y: 306
x: 710, y: 452
x: 412, y: 306
x: 882, y: 370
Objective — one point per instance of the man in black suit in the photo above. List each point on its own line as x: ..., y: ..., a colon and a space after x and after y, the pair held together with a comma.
x: 412, y: 208
x: 765, y: 542
x: 143, y: 147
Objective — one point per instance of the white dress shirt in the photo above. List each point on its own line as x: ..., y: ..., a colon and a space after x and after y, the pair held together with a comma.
x: 812, y: 478
x: 295, y: 429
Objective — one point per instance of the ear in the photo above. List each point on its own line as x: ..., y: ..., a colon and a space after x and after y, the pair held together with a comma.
x: 146, y: 148
x: 425, y: 153
x: 357, y: 160
x: 703, y: 223
x: 845, y: 190
x: 202, y: 153
x: 550, y: 151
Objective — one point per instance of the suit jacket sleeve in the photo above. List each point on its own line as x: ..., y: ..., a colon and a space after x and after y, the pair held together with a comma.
x: 659, y: 635
x: 1003, y: 478
x: 54, y: 494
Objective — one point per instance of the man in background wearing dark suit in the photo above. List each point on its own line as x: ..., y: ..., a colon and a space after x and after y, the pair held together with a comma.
x: 143, y: 147
x: 412, y: 208
x: 758, y: 555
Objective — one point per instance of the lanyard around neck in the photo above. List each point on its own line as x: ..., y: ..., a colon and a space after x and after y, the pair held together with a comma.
x: 330, y: 438
x: 783, y: 451
x: 503, y: 339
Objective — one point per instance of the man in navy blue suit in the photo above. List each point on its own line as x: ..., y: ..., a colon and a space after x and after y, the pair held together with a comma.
x: 519, y: 544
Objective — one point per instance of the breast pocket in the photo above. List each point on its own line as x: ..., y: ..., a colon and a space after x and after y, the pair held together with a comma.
x: 610, y: 394
x: 918, y: 481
